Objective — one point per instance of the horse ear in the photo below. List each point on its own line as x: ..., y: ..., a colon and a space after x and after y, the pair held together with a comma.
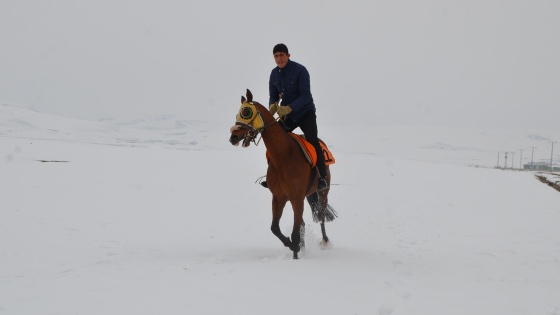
x: 249, y: 96
x: 243, y: 100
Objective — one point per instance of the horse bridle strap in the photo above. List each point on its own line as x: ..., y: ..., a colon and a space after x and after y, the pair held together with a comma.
x: 243, y: 123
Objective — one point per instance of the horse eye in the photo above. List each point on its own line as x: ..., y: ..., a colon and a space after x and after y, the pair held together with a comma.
x: 246, y: 113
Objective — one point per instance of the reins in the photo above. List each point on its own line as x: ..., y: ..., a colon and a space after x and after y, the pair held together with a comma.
x: 258, y: 131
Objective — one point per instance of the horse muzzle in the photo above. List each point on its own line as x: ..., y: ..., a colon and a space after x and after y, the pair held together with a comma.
x: 234, y: 140
x: 240, y: 133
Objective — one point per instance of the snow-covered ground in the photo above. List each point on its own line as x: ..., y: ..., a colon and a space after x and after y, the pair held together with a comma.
x: 162, y: 216
x: 551, y: 177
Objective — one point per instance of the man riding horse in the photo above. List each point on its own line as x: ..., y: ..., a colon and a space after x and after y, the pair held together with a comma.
x: 290, y: 85
x: 290, y: 174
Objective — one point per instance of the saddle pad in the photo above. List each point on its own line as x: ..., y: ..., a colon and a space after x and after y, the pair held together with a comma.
x: 309, y: 151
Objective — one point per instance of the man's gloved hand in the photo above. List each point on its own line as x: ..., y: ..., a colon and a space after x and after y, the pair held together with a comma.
x: 273, y: 108
x: 284, y: 110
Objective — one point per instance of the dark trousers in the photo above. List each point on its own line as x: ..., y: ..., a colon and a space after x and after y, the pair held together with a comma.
x: 308, y: 125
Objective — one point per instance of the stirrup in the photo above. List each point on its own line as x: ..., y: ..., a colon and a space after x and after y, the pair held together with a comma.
x: 264, y: 184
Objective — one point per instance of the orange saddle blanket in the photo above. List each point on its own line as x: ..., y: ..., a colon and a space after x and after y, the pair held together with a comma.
x: 309, y: 151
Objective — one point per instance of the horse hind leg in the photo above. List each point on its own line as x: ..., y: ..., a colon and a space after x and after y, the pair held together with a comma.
x: 321, y: 212
x: 327, y: 213
x: 313, y: 201
x: 302, y: 235
x: 325, y: 241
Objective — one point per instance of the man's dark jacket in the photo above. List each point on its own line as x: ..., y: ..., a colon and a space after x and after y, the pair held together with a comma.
x: 294, y: 84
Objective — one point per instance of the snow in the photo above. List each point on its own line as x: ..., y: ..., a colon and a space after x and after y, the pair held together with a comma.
x: 161, y: 216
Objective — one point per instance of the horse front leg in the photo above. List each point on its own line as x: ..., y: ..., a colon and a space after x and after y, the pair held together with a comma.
x: 298, y: 223
x: 277, y: 210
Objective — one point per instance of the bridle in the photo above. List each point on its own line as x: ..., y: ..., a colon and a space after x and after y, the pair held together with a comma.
x: 245, y: 120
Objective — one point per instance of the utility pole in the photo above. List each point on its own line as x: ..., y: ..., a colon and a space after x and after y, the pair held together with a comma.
x: 498, y: 162
x: 532, y: 153
x: 512, y: 157
x: 505, y: 160
x: 521, y: 159
x: 552, y: 153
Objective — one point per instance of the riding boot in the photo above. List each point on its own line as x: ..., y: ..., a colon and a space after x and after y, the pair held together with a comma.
x: 322, y: 185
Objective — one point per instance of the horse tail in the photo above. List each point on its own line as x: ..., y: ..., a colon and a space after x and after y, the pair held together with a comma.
x: 329, y: 214
x: 326, y: 213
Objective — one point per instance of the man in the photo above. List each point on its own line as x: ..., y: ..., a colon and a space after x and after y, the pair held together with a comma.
x: 289, y: 83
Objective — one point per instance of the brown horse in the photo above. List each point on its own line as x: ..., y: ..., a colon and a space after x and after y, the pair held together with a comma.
x: 290, y: 176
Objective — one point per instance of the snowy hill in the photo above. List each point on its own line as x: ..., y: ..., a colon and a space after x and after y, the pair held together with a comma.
x: 166, y: 131
x: 161, y: 215
x: 419, y: 143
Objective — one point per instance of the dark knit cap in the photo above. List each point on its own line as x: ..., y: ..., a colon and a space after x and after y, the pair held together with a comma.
x: 280, y: 48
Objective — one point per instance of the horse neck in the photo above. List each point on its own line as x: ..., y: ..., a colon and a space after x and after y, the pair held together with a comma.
x: 276, y: 140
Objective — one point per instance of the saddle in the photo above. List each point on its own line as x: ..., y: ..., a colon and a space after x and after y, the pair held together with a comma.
x: 309, y: 151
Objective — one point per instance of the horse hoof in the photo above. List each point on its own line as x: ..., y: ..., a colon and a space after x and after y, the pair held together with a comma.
x: 325, y: 244
x: 296, y: 256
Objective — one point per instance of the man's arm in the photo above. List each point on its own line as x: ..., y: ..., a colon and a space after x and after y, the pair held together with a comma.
x: 304, y: 87
x: 274, y: 94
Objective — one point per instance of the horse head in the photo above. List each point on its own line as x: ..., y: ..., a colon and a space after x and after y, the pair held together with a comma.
x: 249, y: 122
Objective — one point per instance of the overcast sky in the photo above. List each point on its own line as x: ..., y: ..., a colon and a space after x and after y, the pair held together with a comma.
x: 480, y: 63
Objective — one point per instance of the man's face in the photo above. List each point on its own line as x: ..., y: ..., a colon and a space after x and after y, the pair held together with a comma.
x: 281, y: 59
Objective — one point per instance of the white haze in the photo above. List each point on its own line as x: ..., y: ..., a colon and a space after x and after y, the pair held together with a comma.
x: 490, y: 64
